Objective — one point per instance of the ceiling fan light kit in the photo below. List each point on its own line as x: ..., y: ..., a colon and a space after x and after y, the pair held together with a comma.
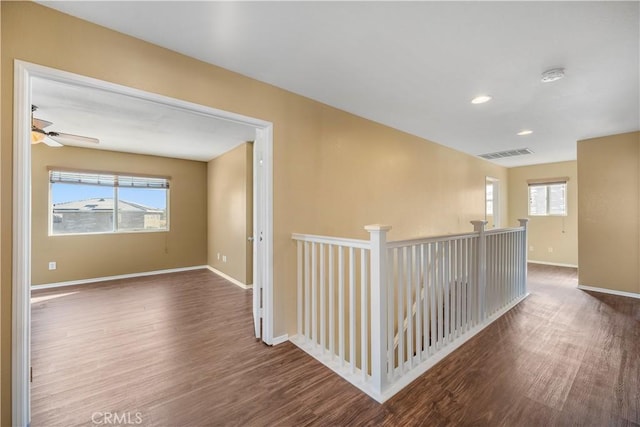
x: 36, y: 136
x: 54, y: 139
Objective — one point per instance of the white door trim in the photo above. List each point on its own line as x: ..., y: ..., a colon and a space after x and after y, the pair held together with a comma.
x: 21, y: 251
x: 21, y: 281
x: 263, y: 232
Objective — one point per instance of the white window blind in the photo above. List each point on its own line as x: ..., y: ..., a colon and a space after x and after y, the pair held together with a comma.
x: 107, y: 180
x: 85, y: 202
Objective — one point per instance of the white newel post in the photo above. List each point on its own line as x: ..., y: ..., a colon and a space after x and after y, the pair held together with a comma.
x: 481, y: 268
x: 525, y: 252
x: 379, y: 313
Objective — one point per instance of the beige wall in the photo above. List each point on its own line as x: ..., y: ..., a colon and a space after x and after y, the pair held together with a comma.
x: 333, y: 172
x: 229, y: 191
x: 557, y: 232
x: 100, y: 255
x: 373, y: 174
x: 609, y: 223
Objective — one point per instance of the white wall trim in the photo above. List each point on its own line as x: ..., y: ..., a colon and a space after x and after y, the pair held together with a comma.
x: 116, y: 277
x: 21, y: 250
x: 229, y: 278
x: 263, y: 234
x: 280, y: 339
x: 609, y: 291
x: 555, y: 264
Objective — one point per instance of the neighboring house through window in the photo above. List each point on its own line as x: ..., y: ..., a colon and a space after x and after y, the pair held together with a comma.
x: 96, y: 202
x: 548, y: 197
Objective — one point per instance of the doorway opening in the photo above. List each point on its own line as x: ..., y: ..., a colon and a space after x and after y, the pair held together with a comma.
x: 24, y: 73
x: 492, y: 202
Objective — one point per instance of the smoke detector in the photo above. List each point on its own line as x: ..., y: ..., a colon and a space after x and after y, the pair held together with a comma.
x: 552, y: 75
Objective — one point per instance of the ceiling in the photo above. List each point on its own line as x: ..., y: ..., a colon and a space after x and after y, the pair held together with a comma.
x: 129, y: 124
x: 415, y: 66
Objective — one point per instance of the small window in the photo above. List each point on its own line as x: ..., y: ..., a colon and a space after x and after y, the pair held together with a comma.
x: 548, y: 199
x: 489, y: 199
x: 83, y: 203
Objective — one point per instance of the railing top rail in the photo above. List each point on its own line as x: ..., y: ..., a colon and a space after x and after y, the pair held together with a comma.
x: 366, y: 244
x: 328, y: 240
x: 422, y: 240
x: 503, y: 230
x: 449, y: 237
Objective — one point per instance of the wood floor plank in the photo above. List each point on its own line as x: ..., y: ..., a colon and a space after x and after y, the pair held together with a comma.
x: 179, y: 350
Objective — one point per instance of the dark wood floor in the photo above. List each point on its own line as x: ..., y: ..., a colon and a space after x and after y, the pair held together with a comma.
x: 177, y: 350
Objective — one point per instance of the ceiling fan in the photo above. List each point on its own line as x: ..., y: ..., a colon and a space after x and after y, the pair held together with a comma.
x: 53, y: 139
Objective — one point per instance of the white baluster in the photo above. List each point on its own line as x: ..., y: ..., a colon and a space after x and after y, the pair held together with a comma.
x: 323, y: 311
x: 424, y: 250
x: 447, y: 289
x: 332, y: 299
x: 417, y: 271
x: 409, y: 308
x: 299, y: 273
x: 352, y: 310
x: 364, y: 314
x: 307, y: 311
x: 433, y: 296
x: 481, y: 265
x: 523, y: 256
x: 341, y: 305
x: 314, y: 292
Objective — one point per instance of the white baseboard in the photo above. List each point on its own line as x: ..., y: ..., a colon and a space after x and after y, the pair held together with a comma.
x: 120, y: 276
x: 280, y: 339
x: 555, y: 264
x: 229, y: 278
x: 609, y: 291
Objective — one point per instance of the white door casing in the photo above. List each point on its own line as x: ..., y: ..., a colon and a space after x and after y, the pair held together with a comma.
x: 262, y: 226
x: 21, y: 250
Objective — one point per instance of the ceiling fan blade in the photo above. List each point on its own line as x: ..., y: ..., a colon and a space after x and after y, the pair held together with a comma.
x: 40, y: 124
x: 50, y: 142
x: 67, y: 138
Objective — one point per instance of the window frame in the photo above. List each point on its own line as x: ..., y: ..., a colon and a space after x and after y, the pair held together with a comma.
x: 114, y: 187
x: 547, y: 185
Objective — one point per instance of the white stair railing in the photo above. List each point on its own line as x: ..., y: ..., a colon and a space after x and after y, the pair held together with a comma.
x: 333, y: 301
x: 381, y: 313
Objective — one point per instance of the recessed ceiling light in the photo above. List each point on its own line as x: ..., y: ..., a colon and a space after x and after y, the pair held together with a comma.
x: 481, y: 99
x: 525, y: 132
x: 552, y: 75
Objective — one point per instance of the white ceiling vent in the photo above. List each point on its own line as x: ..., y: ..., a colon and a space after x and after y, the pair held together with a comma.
x: 508, y: 153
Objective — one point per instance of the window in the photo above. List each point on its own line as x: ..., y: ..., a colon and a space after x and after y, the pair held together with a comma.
x: 548, y: 198
x: 489, y: 199
x: 95, y: 202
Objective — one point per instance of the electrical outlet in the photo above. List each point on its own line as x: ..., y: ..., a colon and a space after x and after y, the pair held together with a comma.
x: 531, y: 248
x: 224, y: 258
x: 218, y: 256
x: 550, y: 250
x: 52, y: 265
